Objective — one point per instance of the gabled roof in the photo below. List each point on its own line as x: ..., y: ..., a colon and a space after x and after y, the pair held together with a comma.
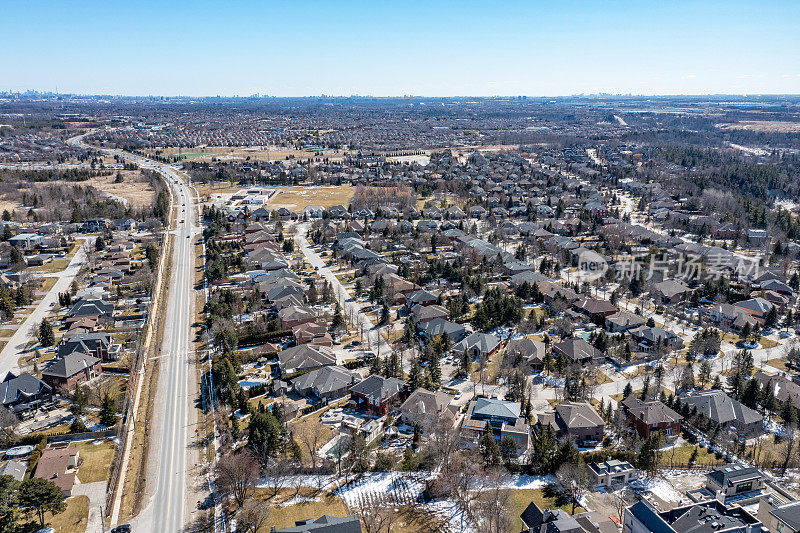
x: 15, y: 388
x: 578, y: 415
x: 325, y: 380
x: 70, y: 364
x: 377, y: 388
x: 650, y: 412
x: 483, y: 342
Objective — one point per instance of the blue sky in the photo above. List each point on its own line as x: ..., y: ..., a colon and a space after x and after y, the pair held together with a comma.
x: 430, y: 48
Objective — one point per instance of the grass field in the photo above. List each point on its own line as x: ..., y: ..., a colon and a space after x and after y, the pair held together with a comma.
x: 96, y: 461
x: 74, y: 519
x: 778, y: 363
x: 521, y: 498
x: 286, y: 516
x: 298, y: 198
x: 206, y: 153
x: 56, y: 265
x: 682, y: 454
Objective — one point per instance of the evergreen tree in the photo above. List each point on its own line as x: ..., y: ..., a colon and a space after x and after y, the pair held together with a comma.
x: 108, y: 412
x: 46, y: 335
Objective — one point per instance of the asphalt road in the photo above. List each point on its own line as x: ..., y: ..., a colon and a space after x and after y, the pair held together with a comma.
x: 373, y: 337
x: 9, y: 356
x: 173, y: 417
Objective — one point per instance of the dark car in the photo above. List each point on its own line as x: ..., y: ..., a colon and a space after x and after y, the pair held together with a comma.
x: 124, y: 528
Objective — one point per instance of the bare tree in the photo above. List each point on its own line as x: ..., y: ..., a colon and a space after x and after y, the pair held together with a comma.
x: 375, y: 513
x: 311, y: 434
x: 575, y: 481
x: 253, y: 516
x: 237, y: 475
x: 490, y: 510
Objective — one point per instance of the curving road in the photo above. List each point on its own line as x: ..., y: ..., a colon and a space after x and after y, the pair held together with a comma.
x: 173, y: 418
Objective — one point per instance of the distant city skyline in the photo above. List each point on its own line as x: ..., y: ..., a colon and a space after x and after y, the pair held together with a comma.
x: 418, y: 48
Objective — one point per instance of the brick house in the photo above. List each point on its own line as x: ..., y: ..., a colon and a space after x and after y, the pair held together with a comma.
x: 651, y: 416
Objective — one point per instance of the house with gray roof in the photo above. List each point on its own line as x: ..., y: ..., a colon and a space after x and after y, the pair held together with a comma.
x: 377, y: 394
x: 324, y: 524
x: 733, y: 481
x: 71, y: 370
x: 304, y: 357
x: 478, y: 345
x: 502, y: 418
x: 17, y: 393
x: 327, y: 382
x: 704, y: 517
x: 724, y: 410
x: 577, y: 421
x: 426, y: 409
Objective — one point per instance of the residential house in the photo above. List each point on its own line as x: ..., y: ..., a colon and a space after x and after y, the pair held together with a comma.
x: 59, y: 465
x: 650, y: 339
x: 304, y: 357
x: 478, y: 345
x: 440, y: 326
x: 501, y: 417
x: 295, y: 315
x: 611, y: 473
x: 779, y: 518
x: 597, y: 310
x: 71, y: 370
x: 577, y: 421
x: 19, y: 393
x: 783, y: 388
x: 733, y: 481
x: 578, y: 351
x: 328, y: 382
x: 724, y: 410
x: 426, y: 409
x: 377, y: 394
x: 705, y: 517
x: 623, y: 321
x: 530, y: 351
x: 670, y: 291
x: 423, y: 314
x: 651, y: 416
x: 95, y: 344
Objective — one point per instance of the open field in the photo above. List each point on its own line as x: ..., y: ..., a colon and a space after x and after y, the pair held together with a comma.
x: 286, y: 516
x: 96, y: 460
x: 134, y: 190
x: 256, y: 153
x: 680, y: 455
x: 74, y: 519
x: 298, y: 198
x: 768, y: 126
x: 521, y: 498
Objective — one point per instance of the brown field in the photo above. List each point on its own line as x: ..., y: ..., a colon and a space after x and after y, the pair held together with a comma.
x: 96, y: 461
x: 295, y: 198
x: 298, y: 198
x: 769, y: 126
x: 256, y: 153
x: 74, y: 519
x: 134, y: 189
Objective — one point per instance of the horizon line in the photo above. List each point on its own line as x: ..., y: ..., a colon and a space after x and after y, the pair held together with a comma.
x: 388, y: 97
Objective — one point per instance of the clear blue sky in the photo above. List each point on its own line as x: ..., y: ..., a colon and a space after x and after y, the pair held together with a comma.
x: 432, y: 48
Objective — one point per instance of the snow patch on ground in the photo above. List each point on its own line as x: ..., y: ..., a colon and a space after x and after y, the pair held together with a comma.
x: 658, y: 487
